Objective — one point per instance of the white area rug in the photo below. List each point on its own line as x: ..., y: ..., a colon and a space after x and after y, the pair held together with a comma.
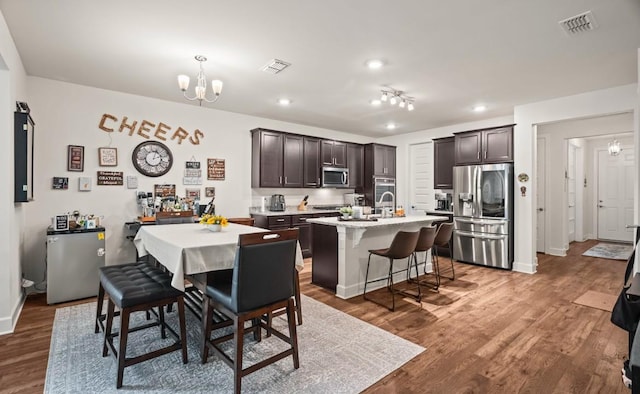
x: 338, y: 354
x: 610, y: 251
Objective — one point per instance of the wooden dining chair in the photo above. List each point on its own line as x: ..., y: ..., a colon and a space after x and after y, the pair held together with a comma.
x: 262, y: 282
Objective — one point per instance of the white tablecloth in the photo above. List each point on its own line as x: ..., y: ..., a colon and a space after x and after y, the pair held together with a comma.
x: 193, y: 249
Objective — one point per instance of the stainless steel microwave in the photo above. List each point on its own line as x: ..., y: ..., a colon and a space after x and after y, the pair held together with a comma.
x: 335, y: 177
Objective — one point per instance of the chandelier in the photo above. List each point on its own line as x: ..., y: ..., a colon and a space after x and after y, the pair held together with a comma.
x: 397, y: 97
x: 201, y: 87
x: 614, y: 148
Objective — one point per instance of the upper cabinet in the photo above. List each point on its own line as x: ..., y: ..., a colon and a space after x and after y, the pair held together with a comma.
x: 355, y: 158
x: 443, y: 162
x: 380, y: 161
x: 276, y: 159
x: 334, y: 153
x: 311, y: 162
x: 493, y: 145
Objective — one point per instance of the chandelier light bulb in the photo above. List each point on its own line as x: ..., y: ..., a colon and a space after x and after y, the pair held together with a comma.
x: 183, y: 82
x: 384, y: 97
x: 410, y: 107
x: 216, y: 86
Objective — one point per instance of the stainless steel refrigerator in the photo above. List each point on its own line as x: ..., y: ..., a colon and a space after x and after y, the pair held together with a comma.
x: 73, y: 259
x: 483, y: 214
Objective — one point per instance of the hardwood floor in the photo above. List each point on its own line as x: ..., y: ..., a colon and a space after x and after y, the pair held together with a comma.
x: 489, y: 331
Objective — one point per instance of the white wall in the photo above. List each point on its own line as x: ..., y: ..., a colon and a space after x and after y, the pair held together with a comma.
x: 528, y: 118
x: 68, y: 114
x: 557, y: 134
x: 12, y: 230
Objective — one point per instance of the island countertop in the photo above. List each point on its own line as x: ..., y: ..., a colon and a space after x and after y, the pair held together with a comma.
x: 334, y: 221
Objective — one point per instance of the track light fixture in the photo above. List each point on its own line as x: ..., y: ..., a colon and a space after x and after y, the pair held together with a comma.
x: 398, y: 97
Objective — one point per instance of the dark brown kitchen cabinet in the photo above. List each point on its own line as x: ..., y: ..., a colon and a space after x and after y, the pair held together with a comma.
x: 277, y: 159
x: 494, y: 145
x: 267, y: 156
x: 379, y: 161
x: 334, y: 153
x: 311, y: 162
x: 443, y: 162
x: 292, y: 162
x: 355, y: 164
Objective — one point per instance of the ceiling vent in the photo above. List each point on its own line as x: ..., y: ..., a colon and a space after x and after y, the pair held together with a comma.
x: 275, y: 66
x: 579, y: 23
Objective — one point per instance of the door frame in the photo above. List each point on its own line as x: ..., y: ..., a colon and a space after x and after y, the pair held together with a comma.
x: 545, y: 194
x: 412, y: 186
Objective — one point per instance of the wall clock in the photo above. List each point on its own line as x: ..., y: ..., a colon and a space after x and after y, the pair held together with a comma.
x: 152, y: 158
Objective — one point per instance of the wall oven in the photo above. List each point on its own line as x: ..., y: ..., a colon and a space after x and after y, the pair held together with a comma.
x: 335, y: 177
x: 380, y: 199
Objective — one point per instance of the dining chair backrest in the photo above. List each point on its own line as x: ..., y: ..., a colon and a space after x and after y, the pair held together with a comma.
x: 174, y: 220
x: 263, y: 271
x: 443, y: 235
x: 403, y: 244
x: 426, y: 239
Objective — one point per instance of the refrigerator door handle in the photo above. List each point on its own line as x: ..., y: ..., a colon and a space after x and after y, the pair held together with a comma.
x: 475, y: 235
x: 480, y: 221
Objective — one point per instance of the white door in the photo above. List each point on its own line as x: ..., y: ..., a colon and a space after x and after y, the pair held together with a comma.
x: 540, y: 190
x: 615, y: 195
x: 421, y: 177
x: 571, y: 192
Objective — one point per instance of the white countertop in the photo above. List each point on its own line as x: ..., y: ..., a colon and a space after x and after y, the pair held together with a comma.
x: 290, y: 211
x: 379, y: 223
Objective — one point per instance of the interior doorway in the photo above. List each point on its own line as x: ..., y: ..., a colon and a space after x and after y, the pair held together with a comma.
x: 540, y: 193
x: 615, y: 195
x: 421, y: 177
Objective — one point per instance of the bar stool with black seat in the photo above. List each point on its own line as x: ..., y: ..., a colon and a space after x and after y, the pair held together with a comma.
x: 443, y: 240
x: 425, y: 244
x: 402, y: 247
x: 139, y: 287
x: 262, y: 282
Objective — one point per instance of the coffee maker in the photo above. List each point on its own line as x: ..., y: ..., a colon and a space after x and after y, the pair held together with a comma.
x: 443, y: 202
x: 277, y: 203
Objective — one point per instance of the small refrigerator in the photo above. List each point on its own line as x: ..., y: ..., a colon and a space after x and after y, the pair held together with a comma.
x: 73, y: 259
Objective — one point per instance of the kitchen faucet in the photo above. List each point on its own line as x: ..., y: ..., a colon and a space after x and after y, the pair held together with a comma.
x: 393, y: 202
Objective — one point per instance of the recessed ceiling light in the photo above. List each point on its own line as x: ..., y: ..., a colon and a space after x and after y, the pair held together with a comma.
x: 284, y: 101
x: 479, y: 108
x: 375, y: 64
x: 375, y: 102
x: 391, y: 126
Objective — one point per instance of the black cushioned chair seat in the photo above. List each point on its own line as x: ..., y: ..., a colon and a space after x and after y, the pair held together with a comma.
x: 134, y: 284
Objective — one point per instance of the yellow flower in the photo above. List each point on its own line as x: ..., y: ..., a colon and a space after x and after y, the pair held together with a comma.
x: 213, y: 219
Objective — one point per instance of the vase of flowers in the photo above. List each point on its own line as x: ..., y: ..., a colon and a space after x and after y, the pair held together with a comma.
x: 213, y: 222
x: 346, y: 212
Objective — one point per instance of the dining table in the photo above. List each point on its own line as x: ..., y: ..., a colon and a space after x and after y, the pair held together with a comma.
x: 189, y: 249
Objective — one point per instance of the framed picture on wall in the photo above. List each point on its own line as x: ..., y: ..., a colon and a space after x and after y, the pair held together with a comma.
x: 108, y: 157
x: 75, y: 158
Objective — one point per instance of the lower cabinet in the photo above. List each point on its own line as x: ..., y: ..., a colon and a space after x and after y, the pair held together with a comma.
x: 283, y: 222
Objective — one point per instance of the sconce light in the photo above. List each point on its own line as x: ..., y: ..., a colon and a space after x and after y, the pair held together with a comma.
x: 614, y: 148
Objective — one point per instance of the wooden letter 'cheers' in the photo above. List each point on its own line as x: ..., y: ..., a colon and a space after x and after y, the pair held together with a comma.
x: 147, y: 129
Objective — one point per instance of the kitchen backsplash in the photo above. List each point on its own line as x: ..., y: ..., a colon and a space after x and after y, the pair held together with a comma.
x: 294, y: 196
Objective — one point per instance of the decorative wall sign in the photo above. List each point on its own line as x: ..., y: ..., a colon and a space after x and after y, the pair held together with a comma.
x: 147, y: 129
x: 215, y: 169
x: 193, y: 164
x: 210, y: 191
x: 108, y: 157
x: 61, y: 223
x: 193, y: 194
x: 192, y: 172
x: 60, y: 183
x: 164, y: 191
x: 75, y: 158
x: 110, y: 178
x: 192, y: 180
x: 84, y: 183
x: 132, y: 182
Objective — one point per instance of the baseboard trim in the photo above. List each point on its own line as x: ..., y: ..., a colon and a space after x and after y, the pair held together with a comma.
x: 557, y: 252
x: 8, y: 324
x: 525, y: 268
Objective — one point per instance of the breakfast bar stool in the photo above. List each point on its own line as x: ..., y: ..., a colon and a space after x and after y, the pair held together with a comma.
x: 425, y: 243
x: 402, y: 247
x: 132, y: 288
x: 443, y: 239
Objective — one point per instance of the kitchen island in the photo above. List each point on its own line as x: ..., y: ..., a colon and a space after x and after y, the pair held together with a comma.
x: 341, y: 249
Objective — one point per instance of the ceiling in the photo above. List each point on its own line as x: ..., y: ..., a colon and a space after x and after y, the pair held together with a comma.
x: 448, y: 55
